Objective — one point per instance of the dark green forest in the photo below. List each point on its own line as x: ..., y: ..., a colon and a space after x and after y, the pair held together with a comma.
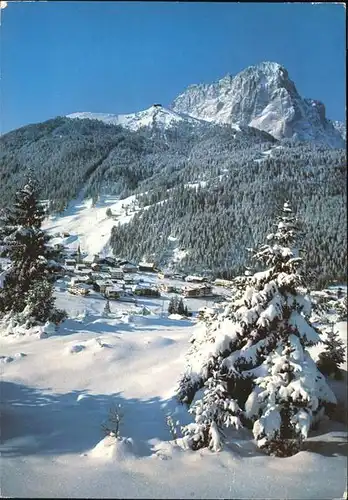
x: 241, y: 189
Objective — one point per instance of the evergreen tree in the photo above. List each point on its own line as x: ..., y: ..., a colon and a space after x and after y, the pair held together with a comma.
x: 28, y: 282
x: 176, y: 306
x: 107, y: 309
x: 283, y: 401
x: 334, y: 354
x: 180, y: 307
x: 251, y: 358
x: 172, y: 305
x: 79, y: 258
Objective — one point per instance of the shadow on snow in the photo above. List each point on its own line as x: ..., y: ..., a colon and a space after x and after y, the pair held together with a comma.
x: 36, y: 422
x: 98, y: 324
x: 33, y: 421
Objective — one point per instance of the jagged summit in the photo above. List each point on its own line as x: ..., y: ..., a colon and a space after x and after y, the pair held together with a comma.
x: 262, y: 96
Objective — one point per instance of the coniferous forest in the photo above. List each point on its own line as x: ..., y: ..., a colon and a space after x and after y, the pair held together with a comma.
x: 213, y: 189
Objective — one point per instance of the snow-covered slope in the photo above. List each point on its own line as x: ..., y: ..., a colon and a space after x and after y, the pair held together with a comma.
x: 264, y: 97
x: 88, y: 225
x: 155, y: 116
x: 56, y: 393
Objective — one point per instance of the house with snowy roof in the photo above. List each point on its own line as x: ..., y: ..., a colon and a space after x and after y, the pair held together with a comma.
x: 147, y: 267
x: 128, y: 267
x: 195, y: 279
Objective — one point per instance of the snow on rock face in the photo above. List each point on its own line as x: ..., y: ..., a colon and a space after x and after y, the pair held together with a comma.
x: 341, y: 128
x: 264, y: 97
x: 155, y: 116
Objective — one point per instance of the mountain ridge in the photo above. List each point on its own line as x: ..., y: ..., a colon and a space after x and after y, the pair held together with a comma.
x: 262, y: 96
x: 155, y: 115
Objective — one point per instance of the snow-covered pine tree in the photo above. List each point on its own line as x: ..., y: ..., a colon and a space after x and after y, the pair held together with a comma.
x: 27, y: 287
x: 334, y: 354
x: 250, y: 360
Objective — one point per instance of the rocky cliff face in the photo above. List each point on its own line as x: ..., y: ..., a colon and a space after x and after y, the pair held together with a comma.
x: 341, y: 128
x: 263, y: 97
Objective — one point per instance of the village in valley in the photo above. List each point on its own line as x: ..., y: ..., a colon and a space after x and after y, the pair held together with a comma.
x: 124, y: 281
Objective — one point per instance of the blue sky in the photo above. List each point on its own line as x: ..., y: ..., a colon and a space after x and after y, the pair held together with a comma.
x: 121, y: 57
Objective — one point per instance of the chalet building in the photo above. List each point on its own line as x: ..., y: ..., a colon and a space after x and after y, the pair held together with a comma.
x: 79, y: 289
x: 83, y: 272
x: 70, y: 263
x: 78, y: 279
x: 145, y: 290
x: 129, y: 267
x: 116, y: 274
x: 101, y: 285
x: 165, y: 287
x: 104, y: 268
x: 147, y: 267
x: 107, y: 261
x: 80, y: 266
x: 224, y: 283
x: 197, y: 291
x: 104, y: 276
x: 165, y: 274
x: 113, y: 292
x: 178, y: 276
x: 195, y: 279
x: 128, y: 279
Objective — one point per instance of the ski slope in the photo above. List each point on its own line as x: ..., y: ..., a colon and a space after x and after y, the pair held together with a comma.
x: 88, y: 225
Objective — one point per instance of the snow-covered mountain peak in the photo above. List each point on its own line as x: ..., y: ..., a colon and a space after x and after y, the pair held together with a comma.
x: 155, y: 116
x: 262, y: 96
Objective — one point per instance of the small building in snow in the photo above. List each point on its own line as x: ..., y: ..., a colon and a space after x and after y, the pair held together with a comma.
x: 116, y: 274
x: 79, y: 289
x: 101, y: 285
x: 107, y: 261
x: 197, y: 291
x: 79, y: 279
x: 70, y: 263
x: 167, y: 288
x: 95, y: 266
x: 113, y: 292
x: 224, y: 283
x: 147, y: 267
x: 195, y: 279
x: 129, y: 268
x: 145, y: 290
x: 165, y: 274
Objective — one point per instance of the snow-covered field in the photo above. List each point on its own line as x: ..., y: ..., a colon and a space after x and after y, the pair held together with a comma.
x: 56, y: 393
